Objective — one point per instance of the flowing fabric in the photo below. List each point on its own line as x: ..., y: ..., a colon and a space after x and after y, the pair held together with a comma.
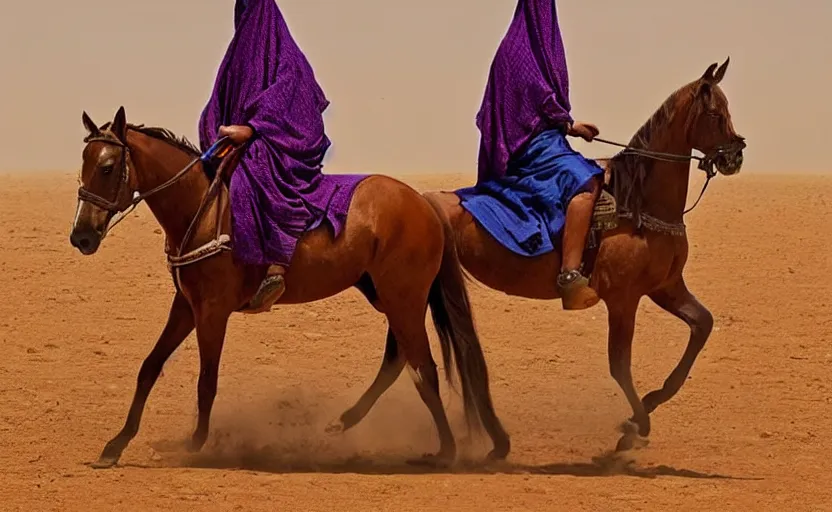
x: 528, y: 87
x: 528, y: 173
x: 526, y: 209
x: 277, y: 191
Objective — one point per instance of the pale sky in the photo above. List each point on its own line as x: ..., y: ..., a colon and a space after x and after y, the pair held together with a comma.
x: 405, y: 77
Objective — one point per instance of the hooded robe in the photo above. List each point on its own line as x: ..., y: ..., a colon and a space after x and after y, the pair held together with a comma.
x: 277, y: 191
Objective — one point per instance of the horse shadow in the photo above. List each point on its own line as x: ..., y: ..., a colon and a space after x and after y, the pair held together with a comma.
x: 606, y: 465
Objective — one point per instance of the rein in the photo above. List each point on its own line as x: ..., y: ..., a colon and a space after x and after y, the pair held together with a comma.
x: 220, y: 242
x: 121, y: 207
x: 706, y: 163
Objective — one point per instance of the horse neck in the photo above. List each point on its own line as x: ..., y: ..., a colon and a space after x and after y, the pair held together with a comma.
x: 156, y: 162
x: 666, y: 185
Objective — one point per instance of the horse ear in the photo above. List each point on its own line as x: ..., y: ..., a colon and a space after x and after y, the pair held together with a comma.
x: 708, y: 76
x: 92, y: 128
x: 720, y: 73
x: 119, y: 126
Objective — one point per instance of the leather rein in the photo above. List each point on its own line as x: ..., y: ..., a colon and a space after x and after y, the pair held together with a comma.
x: 126, y: 200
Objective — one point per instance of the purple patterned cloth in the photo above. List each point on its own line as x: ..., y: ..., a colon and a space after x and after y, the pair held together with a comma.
x: 278, y: 191
x: 528, y: 87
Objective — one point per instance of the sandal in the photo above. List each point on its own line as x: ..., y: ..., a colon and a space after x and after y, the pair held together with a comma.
x: 575, y: 291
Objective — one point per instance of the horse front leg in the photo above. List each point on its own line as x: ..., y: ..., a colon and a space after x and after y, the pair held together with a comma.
x: 179, y: 325
x: 210, y: 333
x: 678, y: 301
x: 622, y: 319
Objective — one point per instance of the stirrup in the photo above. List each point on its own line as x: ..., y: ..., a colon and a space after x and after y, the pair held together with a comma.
x: 575, y: 291
x: 270, y: 291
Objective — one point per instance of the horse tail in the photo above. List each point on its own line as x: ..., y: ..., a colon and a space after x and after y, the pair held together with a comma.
x: 452, y: 316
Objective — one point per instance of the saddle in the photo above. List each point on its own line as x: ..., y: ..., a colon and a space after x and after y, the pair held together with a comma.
x: 605, y: 213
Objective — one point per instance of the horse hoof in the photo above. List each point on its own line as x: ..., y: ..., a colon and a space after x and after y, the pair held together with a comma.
x: 630, y: 441
x: 335, y: 427
x: 432, y: 461
x: 104, y: 462
x: 628, y: 427
x: 631, y: 426
x: 497, y: 454
x: 196, y: 444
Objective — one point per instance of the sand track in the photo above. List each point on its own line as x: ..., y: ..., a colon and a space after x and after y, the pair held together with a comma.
x: 750, y: 430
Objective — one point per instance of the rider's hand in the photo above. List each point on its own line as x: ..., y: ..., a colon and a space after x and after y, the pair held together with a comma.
x: 238, y: 134
x: 586, y: 131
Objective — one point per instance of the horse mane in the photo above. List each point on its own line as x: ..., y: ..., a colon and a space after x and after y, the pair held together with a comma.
x: 164, y: 135
x: 629, y: 171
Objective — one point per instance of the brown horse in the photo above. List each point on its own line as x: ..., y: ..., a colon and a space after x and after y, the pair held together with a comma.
x: 644, y: 252
x: 393, y: 249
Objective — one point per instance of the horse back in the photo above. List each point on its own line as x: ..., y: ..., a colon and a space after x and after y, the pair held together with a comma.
x: 390, y: 228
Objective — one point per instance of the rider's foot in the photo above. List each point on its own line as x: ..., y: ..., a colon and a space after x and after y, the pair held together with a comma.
x: 270, y: 291
x: 575, y: 291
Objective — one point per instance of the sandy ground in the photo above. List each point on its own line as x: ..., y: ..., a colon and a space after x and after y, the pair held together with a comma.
x: 749, y: 431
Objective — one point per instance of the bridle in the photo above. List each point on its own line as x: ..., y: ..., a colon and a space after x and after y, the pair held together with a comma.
x: 706, y: 163
x: 126, y: 199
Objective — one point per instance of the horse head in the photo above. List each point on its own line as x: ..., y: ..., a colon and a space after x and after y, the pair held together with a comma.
x: 107, y: 186
x: 709, y: 127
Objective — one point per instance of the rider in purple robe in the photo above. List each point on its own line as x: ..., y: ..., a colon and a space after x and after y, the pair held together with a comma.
x: 266, y: 97
x: 525, y: 162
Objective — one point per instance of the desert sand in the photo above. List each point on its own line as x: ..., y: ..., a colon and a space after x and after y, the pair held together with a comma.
x: 750, y: 430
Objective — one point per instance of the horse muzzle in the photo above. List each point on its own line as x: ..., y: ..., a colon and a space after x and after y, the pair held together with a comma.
x: 87, y: 232
x: 87, y: 241
x: 728, y: 159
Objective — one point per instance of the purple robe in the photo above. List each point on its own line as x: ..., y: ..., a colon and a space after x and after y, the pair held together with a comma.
x: 528, y: 87
x: 277, y: 191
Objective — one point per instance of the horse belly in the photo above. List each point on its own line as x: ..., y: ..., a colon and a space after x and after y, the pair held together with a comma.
x: 636, y: 265
x: 322, y: 267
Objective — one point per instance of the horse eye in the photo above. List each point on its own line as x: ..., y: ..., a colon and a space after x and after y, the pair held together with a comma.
x: 107, y: 169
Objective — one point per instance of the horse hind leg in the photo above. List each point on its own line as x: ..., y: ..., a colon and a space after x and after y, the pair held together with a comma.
x: 409, y: 328
x: 392, y: 365
x: 678, y: 301
x: 367, y: 288
x: 425, y: 376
